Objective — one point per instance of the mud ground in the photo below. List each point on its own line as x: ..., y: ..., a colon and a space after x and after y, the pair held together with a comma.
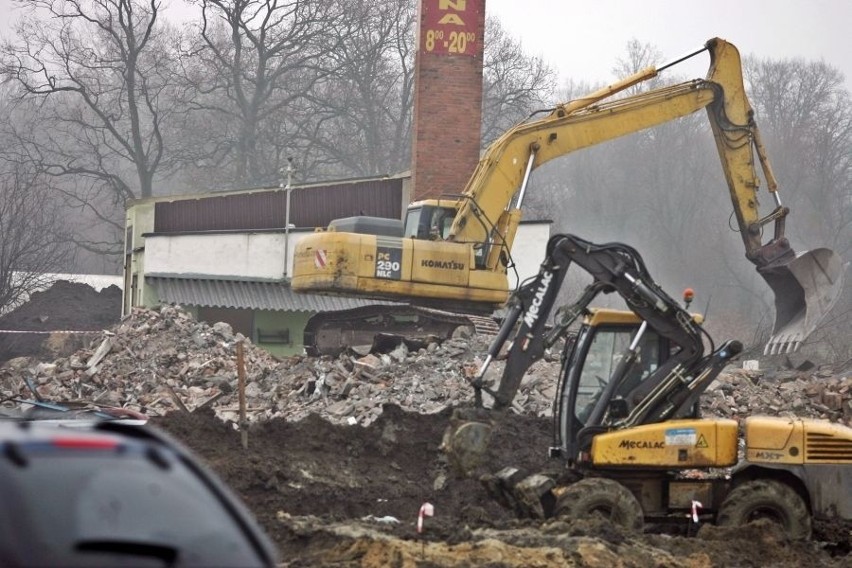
x: 346, y: 496
x: 332, y: 495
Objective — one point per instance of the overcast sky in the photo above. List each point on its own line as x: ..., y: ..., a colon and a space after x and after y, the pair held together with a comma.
x: 582, y: 41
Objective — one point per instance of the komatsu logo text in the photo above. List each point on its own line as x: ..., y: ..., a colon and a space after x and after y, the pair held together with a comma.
x: 445, y: 264
x: 532, y: 313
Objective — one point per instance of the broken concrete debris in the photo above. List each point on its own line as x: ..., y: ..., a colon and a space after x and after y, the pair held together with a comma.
x: 158, y: 361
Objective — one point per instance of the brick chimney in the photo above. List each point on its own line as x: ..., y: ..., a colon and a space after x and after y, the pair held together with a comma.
x: 448, y: 96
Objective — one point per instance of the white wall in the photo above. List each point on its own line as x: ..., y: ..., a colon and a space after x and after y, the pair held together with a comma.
x: 244, y: 255
x: 261, y: 255
x: 528, y: 251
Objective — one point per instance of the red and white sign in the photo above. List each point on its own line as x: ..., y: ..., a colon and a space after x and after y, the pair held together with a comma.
x: 320, y: 259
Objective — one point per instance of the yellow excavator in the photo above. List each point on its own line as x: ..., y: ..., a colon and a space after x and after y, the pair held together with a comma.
x: 627, y: 423
x: 453, y: 253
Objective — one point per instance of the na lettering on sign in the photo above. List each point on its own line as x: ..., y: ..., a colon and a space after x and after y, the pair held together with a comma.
x: 449, y: 27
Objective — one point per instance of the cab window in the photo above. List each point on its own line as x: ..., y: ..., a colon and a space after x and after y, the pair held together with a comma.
x: 605, y: 352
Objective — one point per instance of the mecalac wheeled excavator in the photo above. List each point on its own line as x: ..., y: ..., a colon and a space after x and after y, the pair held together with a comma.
x: 626, y: 418
x: 453, y: 254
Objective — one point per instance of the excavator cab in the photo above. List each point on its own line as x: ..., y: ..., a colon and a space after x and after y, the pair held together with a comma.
x: 430, y: 219
x: 590, y: 363
x: 599, y: 348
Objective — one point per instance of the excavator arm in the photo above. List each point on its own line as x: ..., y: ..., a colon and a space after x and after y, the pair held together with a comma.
x: 669, y: 391
x: 805, y: 286
x: 614, y: 267
x: 502, y: 172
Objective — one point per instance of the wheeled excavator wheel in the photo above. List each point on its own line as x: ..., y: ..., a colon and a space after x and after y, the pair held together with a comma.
x: 599, y: 495
x: 766, y: 499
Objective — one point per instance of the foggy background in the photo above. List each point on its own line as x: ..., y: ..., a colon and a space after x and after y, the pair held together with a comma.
x: 116, y: 100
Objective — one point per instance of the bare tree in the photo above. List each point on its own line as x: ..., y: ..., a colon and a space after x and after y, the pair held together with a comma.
x: 805, y: 113
x: 91, y: 83
x: 32, y: 242
x: 639, y: 56
x: 514, y: 83
x: 99, y: 73
x: 257, y: 59
x: 359, y: 122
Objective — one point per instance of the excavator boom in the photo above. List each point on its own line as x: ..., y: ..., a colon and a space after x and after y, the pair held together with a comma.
x: 468, y: 263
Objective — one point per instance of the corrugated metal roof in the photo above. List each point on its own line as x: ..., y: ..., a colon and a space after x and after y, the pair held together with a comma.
x: 313, y: 206
x: 247, y: 294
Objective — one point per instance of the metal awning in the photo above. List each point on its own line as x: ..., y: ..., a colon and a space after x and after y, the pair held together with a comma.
x: 247, y: 294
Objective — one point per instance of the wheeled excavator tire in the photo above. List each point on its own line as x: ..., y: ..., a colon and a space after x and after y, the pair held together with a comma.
x: 766, y: 499
x: 599, y: 495
x: 331, y: 333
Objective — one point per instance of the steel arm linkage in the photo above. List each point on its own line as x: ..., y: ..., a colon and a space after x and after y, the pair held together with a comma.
x: 615, y: 267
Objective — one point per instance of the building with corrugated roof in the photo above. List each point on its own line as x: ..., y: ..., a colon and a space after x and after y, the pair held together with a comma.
x: 228, y: 256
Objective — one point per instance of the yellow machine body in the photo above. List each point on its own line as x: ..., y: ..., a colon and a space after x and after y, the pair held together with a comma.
x: 794, y: 441
x: 395, y: 268
x: 676, y: 443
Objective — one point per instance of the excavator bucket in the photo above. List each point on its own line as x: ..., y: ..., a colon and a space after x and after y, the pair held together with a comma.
x: 805, y: 290
x: 466, y: 439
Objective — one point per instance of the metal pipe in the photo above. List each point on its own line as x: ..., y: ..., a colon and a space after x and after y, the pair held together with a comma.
x: 525, y: 181
x: 681, y: 59
x: 638, y: 337
x: 287, y: 217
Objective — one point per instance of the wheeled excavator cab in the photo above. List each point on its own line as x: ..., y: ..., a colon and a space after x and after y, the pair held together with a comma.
x: 625, y: 369
x: 590, y: 360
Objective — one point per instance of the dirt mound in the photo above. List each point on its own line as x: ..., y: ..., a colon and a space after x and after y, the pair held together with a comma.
x: 341, y: 495
x: 64, y: 306
x: 314, y: 467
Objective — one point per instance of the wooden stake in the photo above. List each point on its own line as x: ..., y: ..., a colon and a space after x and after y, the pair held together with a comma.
x: 241, y: 387
x: 176, y: 399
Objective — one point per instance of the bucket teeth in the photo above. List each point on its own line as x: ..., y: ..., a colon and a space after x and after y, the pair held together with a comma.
x: 805, y: 289
x: 783, y: 343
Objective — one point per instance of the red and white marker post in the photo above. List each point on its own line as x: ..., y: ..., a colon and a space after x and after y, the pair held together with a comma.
x: 426, y: 510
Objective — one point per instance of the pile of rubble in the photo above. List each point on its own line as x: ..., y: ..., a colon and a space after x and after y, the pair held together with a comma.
x: 821, y: 394
x: 158, y: 361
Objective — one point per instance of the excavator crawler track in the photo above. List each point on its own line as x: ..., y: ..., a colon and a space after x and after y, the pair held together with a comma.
x: 331, y: 333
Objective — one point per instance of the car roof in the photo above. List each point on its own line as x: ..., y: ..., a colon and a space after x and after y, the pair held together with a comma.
x: 15, y: 431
